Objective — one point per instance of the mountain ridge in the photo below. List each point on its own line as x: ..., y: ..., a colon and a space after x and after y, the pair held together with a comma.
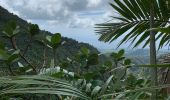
x: 69, y: 49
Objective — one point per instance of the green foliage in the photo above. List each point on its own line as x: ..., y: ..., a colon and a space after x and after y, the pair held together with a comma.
x: 108, y: 64
x: 2, y: 45
x: 3, y: 55
x: 13, y: 57
x: 118, y: 56
x: 87, y: 76
x: 105, y: 86
x: 84, y: 51
x: 94, y: 91
x: 39, y: 84
x: 35, y: 50
x: 120, y: 53
x: 162, y: 30
x: 93, y: 59
x: 11, y: 29
x: 134, y: 22
x: 54, y: 41
x: 9, y: 58
x: 136, y: 18
x: 127, y: 62
x: 34, y: 29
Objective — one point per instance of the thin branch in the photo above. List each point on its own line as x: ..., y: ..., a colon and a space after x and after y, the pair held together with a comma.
x: 13, y: 42
x: 44, y: 58
x: 28, y: 46
x: 166, y: 76
x: 10, y: 70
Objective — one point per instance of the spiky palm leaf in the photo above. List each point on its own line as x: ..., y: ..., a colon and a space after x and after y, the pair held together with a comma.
x: 139, y: 90
x: 133, y: 22
x: 38, y: 85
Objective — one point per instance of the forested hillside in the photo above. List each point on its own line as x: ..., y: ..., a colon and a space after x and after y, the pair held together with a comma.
x: 35, y: 51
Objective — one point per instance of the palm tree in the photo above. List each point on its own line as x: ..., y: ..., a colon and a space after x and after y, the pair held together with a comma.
x: 136, y: 18
x: 134, y: 22
x: 153, y: 49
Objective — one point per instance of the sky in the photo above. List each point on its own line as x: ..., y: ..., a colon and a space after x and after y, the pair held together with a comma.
x: 72, y: 18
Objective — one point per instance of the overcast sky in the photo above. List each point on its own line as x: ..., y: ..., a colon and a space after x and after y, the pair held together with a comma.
x: 72, y: 18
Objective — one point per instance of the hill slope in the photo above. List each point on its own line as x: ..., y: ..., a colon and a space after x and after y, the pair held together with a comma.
x: 35, y: 53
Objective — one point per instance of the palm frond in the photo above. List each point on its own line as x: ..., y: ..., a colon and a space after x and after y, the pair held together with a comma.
x: 39, y: 85
x: 146, y: 89
x: 134, y: 22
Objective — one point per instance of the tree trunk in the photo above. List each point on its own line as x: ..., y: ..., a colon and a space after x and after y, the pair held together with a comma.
x: 153, y: 52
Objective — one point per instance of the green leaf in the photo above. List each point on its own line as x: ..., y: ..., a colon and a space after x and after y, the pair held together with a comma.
x: 114, y: 55
x: 131, y: 82
x: 13, y: 57
x: 48, y: 38
x: 48, y: 41
x: 140, y: 81
x: 85, y: 51
x: 96, y: 91
x: 11, y: 29
x: 108, y: 64
x: 104, y: 87
x: 20, y: 64
x: 89, y: 76
x: 121, y: 58
x: 134, y: 21
x: 142, y: 38
x: 163, y: 30
x: 34, y: 29
x: 127, y: 62
x: 58, y: 75
x: 121, y: 12
x: 93, y: 59
x: 125, y: 9
x: 2, y: 45
x: 64, y: 64
x: 88, y: 87
x: 4, y: 55
x: 97, y: 83
x: 121, y: 53
x: 56, y: 38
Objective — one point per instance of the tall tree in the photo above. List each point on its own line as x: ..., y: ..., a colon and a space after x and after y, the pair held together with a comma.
x: 133, y: 22
x: 153, y: 50
x: 135, y: 18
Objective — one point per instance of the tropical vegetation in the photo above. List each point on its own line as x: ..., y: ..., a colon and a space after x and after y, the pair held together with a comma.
x: 87, y: 74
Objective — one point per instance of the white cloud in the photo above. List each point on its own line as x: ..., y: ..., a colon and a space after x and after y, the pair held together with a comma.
x: 8, y: 7
x: 94, y: 3
x: 58, y: 12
